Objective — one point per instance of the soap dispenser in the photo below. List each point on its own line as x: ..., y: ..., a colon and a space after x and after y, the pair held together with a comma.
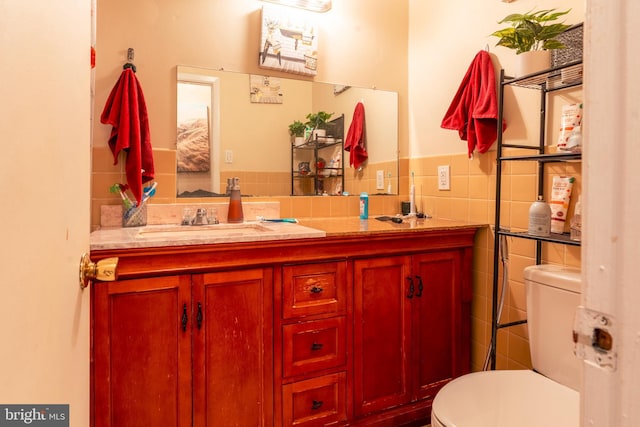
x: 235, y: 214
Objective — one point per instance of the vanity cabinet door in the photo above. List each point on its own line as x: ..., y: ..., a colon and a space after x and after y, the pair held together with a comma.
x: 233, y: 348
x: 382, y: 333
x: 141, y: 365
x: 438, y: 348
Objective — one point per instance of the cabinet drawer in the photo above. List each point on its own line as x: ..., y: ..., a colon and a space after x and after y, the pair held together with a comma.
x: 310, y: 289
x: 311, y: 346
x: 315, y: 402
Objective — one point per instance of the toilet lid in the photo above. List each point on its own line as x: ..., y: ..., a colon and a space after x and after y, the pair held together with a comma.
x: 505, y: 399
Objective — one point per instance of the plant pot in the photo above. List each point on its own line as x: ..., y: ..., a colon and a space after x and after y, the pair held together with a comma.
x: 532, y: 62
x: 298, y: 141
x: 318, y: 133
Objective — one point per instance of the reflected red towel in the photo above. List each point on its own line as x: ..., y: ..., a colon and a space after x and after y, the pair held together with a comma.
x: 126, y: 111
x: 474, y: 109
x: 356, y: 138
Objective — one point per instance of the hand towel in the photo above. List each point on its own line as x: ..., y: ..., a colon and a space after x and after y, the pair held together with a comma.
x: 474, y: 109
x: 126, y: 111
x: 355, y: 142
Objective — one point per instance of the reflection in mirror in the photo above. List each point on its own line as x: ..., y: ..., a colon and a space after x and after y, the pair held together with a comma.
x: 218, y: 121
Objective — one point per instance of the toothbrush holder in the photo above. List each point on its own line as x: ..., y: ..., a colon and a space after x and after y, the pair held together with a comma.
x: 135, y: 216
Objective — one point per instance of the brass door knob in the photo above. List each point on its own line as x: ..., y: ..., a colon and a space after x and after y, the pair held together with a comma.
x: 104, y: 270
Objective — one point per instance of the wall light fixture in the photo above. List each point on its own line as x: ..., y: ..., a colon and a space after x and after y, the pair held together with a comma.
x: 312, y: 5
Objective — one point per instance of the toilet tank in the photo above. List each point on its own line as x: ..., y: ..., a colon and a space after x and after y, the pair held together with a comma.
x: 552, y: 296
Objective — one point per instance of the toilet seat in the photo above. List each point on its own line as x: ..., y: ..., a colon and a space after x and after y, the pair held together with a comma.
x: 507, y: 398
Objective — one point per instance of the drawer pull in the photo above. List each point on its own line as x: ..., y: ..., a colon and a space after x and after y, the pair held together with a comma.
x: 316, y: 290
x: 316, y: 346
x: 316, y: 404
x: 185, y: 317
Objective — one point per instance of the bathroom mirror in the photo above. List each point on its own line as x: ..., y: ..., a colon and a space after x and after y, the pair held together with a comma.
x: 225, y: 130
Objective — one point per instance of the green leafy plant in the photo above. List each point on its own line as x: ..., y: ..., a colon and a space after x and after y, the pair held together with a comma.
x: 532, y: 31
x: 297, y: 128
x: 318, y: 120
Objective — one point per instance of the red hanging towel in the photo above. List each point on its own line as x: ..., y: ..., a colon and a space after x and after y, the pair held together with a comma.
x: 126, y: 111
x: 356, y: 138
x: 474, y: 109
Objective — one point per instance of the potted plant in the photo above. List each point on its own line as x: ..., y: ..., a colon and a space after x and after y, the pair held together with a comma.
x: 297, y: 130
x: 317, y: 122
x: 532, y: 35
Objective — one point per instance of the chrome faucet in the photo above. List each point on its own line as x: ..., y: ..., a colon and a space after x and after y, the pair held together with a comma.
x: 201, y: 218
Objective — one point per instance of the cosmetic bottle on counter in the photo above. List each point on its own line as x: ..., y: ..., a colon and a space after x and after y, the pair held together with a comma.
x: 540, y: 218
x: 364, y: 205
x: 235, y: 214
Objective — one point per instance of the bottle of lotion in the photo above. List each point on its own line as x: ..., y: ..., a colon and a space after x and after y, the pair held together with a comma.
x: 540, y: 218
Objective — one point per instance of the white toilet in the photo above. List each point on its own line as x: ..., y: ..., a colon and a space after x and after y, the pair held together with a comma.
x: 522, y: 398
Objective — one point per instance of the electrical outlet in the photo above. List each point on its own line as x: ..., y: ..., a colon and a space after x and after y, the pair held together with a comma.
x: 380, y: 180
x: 228, y: 156
x: 444, y: 178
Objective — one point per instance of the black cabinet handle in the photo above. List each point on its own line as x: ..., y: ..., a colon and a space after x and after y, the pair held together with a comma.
x: 316, y: 404
x: 420, y: 286
x: 316, y: 290
x: 316, y: 346
x: 199, y: 315
x: 185, y: 317
x: 411, y: 288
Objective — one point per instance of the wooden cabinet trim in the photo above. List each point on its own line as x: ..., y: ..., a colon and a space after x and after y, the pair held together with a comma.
x: 172, y: 260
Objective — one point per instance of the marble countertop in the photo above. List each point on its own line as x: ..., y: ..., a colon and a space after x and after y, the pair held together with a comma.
x: 252, y: 231
x: 348, y: 226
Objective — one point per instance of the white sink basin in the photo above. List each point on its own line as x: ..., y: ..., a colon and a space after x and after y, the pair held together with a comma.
x: 180, y: 235
x: 204, y: 231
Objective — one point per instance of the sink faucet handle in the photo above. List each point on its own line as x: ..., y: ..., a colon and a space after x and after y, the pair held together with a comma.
x: 212, y: 216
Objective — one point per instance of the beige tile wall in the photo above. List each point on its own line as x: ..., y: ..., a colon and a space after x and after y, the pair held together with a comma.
x: 105, y: 174
x: 471, y: 198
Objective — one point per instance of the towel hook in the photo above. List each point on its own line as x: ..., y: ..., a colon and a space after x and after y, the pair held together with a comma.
x: 129, y: 64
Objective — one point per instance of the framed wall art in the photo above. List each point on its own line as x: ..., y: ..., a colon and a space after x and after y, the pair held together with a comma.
x: 289, y: 41
x: 265, y: 90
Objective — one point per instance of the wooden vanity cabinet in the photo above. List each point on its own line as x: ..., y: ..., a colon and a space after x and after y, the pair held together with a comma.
x: 186, y: 350
x: 344, y: 331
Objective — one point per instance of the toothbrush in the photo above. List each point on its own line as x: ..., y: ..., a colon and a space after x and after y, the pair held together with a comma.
x: 118, y: 188
x: 149, y: 191
x: 412, y: 196
x: 290, y: 220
